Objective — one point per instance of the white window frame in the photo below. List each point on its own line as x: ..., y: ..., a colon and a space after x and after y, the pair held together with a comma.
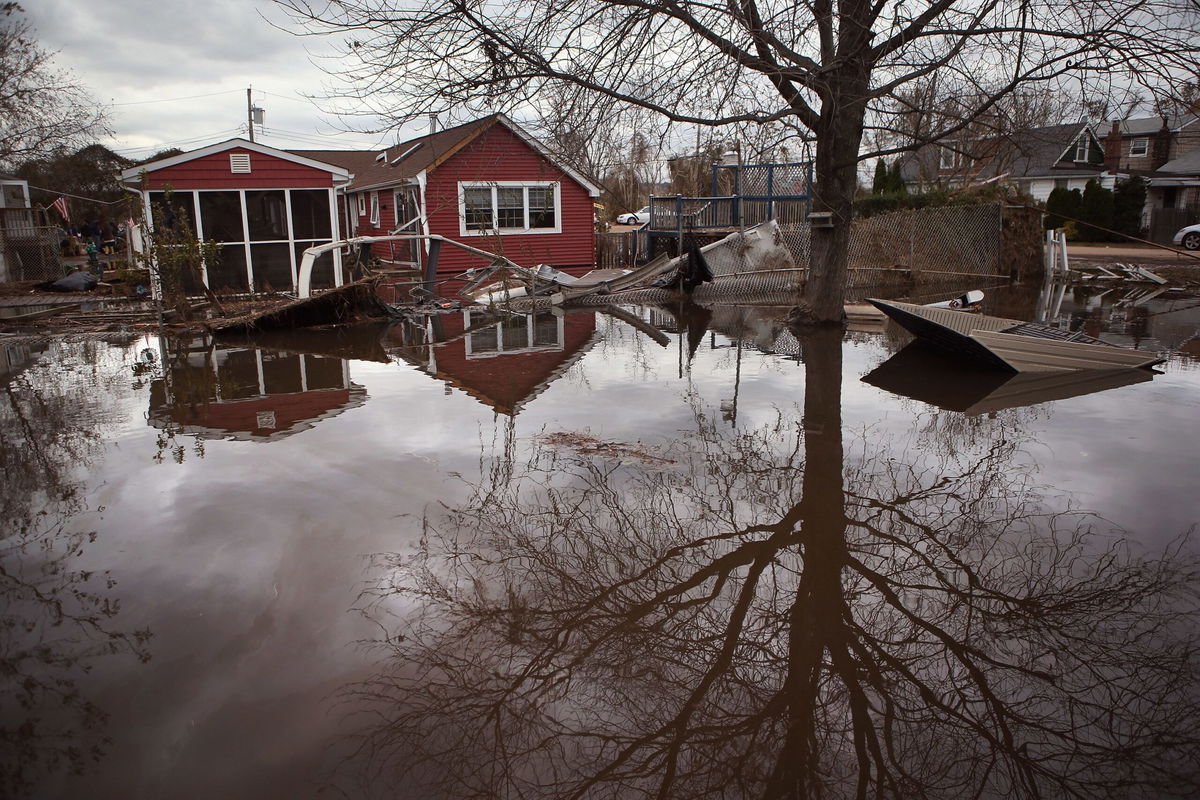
x: 950, y: 156
x: 362, y: 205
x: 556, y: 186
x: 374, y: 209
x: 1139, y: 147
x: 246, y: 243
x: 1083, y: 149
x: 501, y: 350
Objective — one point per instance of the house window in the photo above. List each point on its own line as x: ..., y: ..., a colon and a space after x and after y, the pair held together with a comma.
x: 514, y: 333
x: 952, y: 156
x: 1081, y: 148
x: 949, y: 156
x: 374, y: 209
x: 362, y: 205
x: 1139, y: 147
x: 509, y: 207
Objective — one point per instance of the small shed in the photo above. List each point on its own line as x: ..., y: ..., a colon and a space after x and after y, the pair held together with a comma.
x: 264, y: 206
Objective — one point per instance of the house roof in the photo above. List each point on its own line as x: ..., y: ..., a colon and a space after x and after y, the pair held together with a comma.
x: 402, y: 162
x: 1189, y: 163
x: 1145, y: 126
x: 372, y: 169
x: 1037, y: 152
x: 339, y: 172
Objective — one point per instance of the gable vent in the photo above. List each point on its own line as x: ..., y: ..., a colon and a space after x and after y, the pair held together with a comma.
x: 239, y: 162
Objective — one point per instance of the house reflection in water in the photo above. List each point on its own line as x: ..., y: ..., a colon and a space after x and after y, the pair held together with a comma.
x: 215, y: 391
x: 501, y: 359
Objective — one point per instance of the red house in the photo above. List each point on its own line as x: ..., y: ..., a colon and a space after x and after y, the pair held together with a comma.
x: 485, y: 183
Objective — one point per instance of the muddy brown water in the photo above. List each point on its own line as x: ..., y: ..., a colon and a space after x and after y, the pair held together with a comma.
x: 548, y: 556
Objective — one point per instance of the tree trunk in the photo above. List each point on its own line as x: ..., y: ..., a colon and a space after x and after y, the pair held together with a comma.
x: 839, y: 135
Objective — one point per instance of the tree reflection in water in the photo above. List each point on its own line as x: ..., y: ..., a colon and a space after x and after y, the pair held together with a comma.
x: 57, y: 618
x: 769, y: 616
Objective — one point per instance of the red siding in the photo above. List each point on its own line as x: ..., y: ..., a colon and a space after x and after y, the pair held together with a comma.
x: 387, y: 219
x: 506, y: 380
x: 267, y: 172
x: 497, y: 155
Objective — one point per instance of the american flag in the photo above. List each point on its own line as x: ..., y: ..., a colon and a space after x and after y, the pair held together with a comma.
x: 60, y: 205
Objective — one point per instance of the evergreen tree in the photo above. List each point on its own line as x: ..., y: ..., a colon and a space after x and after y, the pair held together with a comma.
x: 1097, y: 210
x: 895, y: 182
x: 880, y: 184
x: 1128, y: 201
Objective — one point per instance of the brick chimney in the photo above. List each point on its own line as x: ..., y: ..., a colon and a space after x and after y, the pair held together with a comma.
x: 1112, y: 148
x: 1160, y: 149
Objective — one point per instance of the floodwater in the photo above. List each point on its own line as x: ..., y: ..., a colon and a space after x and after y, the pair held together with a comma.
x: 663, y: 552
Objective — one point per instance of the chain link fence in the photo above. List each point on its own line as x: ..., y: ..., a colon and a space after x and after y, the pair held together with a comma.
x: 926, y: 250
x: 28, y: 251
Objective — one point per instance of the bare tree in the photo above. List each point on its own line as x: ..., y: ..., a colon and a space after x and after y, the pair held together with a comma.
x: 829, y: 69
x: 774, y: 613
x: 43, y: 109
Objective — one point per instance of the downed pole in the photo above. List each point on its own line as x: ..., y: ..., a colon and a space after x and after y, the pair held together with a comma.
x: 337, y: 306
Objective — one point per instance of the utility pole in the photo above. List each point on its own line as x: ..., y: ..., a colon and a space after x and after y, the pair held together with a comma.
x: 254, y: 114
x: 250, y: 113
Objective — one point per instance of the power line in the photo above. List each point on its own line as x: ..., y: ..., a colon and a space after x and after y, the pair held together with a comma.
x: 175, y: 99
x: 176, y: 143
x: 74, y: 196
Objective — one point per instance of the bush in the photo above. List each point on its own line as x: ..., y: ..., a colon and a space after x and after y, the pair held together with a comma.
x: 876, y: 204
x: 1062, y: 205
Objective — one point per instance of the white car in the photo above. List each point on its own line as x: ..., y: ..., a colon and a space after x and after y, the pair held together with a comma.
x: 1189, y: 237
x: 640, y: 217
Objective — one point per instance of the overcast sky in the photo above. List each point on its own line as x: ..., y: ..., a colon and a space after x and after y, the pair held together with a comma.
x: 141, y: 56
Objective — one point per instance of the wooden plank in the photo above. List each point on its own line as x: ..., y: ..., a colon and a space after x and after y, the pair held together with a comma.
x: 43, y: 314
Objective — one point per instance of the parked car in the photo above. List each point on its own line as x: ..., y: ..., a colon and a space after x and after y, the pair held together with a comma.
x: 1189, y: 237
x: 640, y: 217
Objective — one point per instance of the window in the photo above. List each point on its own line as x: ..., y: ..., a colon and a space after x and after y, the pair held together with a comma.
x: 1139, y: 147
x: 221, y: 216
x: 375, y: 209
x: 310, y: 214
x: 362, y: 205
x: 514, y: 333
x: 266, y: 216
x: 1081, y: 148
x: 477, y: 208
x: 951, y: 158
x: 509, y: 207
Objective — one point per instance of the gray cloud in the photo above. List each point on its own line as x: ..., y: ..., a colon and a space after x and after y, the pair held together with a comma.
x: 132, y: 51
